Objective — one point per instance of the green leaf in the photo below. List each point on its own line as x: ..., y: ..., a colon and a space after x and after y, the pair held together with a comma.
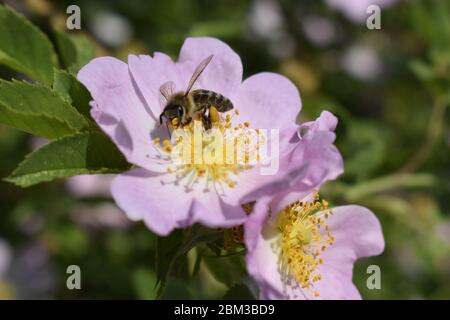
x: 24, y: 48
x: 75, y: 50
x: 38, y: 110
x: 72, y: 91
x: 35, y: 124
x: 239, y: 292
x: 143, y: 281
x: 83, y: 153
x: 228, y: 270
x: 172, y: 250
x: 167, y: 252
x: 198, y: 261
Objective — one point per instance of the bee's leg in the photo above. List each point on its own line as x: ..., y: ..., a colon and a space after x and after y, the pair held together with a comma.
x: 169, y: 127
x: 210, y: 116
x: 206, y: 122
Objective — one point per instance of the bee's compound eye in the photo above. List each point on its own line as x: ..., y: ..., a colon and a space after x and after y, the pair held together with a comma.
x: 180, y: 110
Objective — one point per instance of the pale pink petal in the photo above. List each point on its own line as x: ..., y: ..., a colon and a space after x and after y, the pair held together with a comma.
x: 150, y: 73
x: 165, y: 204
x: 224, y: 72
x: 145, y: 196
x: 320, y: 156
x: 305, y: 163
x: 211, y: 210
x: 325, y: 122
x: 268, y: 101
x: 262, y: 256
x: 357, y: 234
x: 252, y: 185
x: 314, y: 147
x: 357, y: 228
x: 118, y: 109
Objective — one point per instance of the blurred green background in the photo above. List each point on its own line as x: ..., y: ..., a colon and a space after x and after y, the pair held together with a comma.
x: 388, y: 87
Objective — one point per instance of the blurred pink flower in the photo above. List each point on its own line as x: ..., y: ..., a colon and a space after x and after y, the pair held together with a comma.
x: 103, y: 215
x: 320, y: 31
x: 37, y: 142
x: 298, y: 248
x: 27, y: 272
x: 356, y: 10
x: 5, y: 257
x: 266, y: 23
x: 362, y: 62
x: 90, y: 185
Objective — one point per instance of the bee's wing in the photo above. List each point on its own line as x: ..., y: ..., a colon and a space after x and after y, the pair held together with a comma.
x: 167, y: 89
x: 198, y: 71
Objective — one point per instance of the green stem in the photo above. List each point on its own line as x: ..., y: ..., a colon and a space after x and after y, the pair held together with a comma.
x: 394, y: 181
x: 434, y: 131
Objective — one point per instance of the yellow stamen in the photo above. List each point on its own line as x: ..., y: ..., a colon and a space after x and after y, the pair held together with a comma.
x: 224, y: 151
x: 304, y: 236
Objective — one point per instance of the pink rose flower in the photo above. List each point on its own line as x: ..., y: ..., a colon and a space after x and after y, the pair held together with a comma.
x: 298, y: 248
x: 127, y: 104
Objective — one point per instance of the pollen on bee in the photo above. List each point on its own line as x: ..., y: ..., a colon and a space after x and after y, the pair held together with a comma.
x: 214, y: 114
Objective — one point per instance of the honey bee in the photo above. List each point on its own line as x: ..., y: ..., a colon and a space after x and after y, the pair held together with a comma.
x: 183, y: 107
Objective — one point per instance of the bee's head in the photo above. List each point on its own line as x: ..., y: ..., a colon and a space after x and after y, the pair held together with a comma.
x: 171, y: 111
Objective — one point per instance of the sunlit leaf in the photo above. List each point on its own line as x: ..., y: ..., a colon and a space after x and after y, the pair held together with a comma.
x: 23, y: 47
x: 38, y: 110
x: 84, y: 153
x: 75, y: 50
x: 72, y: 91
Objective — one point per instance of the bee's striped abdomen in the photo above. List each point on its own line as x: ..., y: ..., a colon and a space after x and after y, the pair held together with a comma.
x: 206, y: 98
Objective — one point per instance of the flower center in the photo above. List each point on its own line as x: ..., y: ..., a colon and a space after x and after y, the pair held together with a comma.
x: 304, y: 236
x: 216, y: 155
